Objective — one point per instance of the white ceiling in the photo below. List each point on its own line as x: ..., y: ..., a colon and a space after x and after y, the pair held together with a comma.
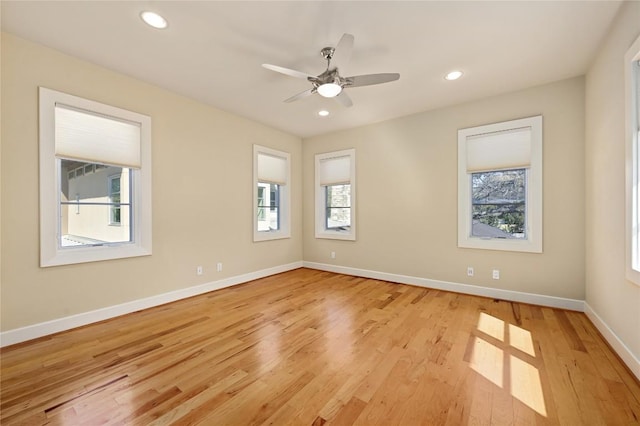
x: 213, y: 50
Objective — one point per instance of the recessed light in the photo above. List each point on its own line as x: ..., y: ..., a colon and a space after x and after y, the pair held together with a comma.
x: 154, y: 20
x: 453, y: 75
x: 323, y: 113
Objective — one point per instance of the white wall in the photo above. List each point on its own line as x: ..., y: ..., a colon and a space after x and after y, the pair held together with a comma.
x: 612, y: 298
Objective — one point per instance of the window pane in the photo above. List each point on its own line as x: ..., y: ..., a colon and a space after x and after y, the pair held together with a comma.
x: 338, y: 217
x: 115, y: 199
x: 115, y: 184
x: 499, y: 204
x: 95, y: 208
x: 79, y: 225
x: 262, y: 213
x: 268, y: 207
x: 338, y: 206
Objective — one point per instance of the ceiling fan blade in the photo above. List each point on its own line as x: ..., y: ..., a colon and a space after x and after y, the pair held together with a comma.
x: 342, y: 52
x: 344, y: 99
x: 369, y: 79
x: 301, y: 95
x: 289, y: 72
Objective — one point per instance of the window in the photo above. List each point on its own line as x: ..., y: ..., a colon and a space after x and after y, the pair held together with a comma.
x: 632, y: 80
x: 500, y: 186
x: 271, y: 206
x: 95, y: 181
x: 335, y: 195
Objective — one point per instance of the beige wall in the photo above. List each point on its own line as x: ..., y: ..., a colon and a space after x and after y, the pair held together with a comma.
x: 202, y: 180
x: 407, y: 195
x: 608, y: 293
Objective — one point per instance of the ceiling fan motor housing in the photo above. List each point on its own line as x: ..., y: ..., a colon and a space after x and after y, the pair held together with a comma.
x: 327, y: 53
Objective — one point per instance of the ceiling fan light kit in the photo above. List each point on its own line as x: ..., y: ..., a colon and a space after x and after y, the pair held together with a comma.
x: 330, y: 84
x: 329, y: 90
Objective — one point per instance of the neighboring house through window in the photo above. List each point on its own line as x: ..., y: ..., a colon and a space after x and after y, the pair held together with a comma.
x: 500, y: 186
x: 114, y: 198
x: 335, y: 180
x: 95, y: 182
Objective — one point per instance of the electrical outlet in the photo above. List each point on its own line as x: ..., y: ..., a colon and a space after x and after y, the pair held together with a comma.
x: 469, y: 271
x: 219, y: 267
x: 199, y: 270
x: 333, y: 254
x: 496, y: 274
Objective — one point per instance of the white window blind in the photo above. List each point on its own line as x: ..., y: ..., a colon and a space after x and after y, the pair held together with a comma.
x: 93, y: 138
x: 335, y: 171
x: 509, y: 149
x: 272, y: 169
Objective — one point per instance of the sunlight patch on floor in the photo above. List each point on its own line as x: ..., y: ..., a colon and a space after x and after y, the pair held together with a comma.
x: 526, y: 386
x: 487, y: 360
x: 495, y: 362
x: 491, y: 326
x: 521, y: 339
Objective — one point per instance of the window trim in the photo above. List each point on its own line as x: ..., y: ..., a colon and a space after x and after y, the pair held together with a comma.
x: 51, y: 253
x: 320, y: 198
x: 533, y: 214
x: 284, y: 204
x: 632, y: 169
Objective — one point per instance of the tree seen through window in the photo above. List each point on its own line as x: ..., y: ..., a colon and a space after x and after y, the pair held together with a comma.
x: 499, y: 204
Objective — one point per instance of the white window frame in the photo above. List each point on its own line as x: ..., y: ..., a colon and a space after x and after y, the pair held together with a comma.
x: 533, y: 242
x: 321, y: 198
x: 284, y: 205
x: 51, y: 251
x: 632, y: 138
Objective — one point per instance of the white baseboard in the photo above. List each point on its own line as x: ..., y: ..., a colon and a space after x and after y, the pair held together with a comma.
x: 23, y: 334
x: 514, y: 296
x: 618, y: 346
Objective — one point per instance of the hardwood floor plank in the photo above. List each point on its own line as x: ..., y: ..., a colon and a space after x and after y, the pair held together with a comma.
x: 311, y: 347
x: 201, y: 399
x: 349, y: 412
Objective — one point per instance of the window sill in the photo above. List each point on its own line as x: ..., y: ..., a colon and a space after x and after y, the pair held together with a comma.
x: 526, y: 246
x: 270, y: 235
x: 93, y: 254
x: 336, y: 235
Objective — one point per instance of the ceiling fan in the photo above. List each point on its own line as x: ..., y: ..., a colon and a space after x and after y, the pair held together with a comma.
x: 330, y: 83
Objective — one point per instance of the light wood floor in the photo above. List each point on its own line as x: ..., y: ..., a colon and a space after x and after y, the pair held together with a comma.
x: 312, y: 348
